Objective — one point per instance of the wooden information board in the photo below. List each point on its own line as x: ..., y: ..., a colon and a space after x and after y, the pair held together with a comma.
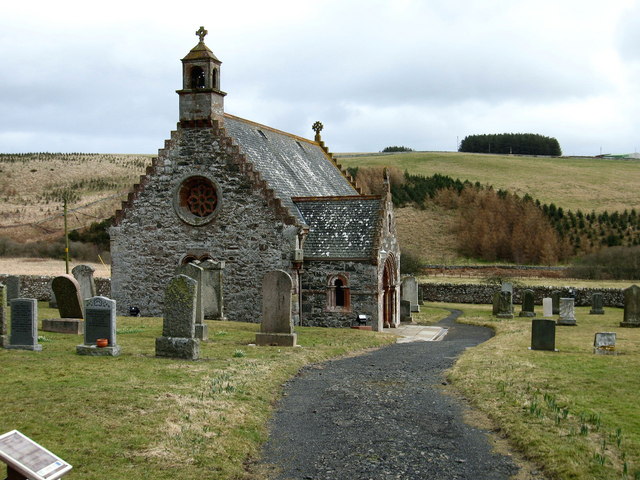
x: 30, y: 459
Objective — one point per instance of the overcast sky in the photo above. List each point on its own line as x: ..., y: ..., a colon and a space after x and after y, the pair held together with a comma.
x: 101, y: 76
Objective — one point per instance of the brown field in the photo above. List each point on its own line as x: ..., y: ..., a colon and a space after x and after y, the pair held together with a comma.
x: 46, y: 266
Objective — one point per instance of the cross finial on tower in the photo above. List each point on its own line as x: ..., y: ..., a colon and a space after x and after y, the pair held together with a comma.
x: 201, y: 32
x: 317, y: 127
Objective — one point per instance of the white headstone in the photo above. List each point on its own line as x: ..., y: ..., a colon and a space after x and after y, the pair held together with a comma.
x: 547, y: 307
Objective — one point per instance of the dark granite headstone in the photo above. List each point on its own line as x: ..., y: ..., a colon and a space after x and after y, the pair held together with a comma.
x: 100, y: 322
x: 24, y: 324
x: 543, y: 335
x: 4, y: 340
x: 67, y: 292
x: 276, y: 327
x: 631, y: 307
x: 528, y: 308
x: 405, y: 311
x: 495, y: 300
x: 179, y: 322
x: 555, y: 302
x: 13, y: 287
x: 596, y: 304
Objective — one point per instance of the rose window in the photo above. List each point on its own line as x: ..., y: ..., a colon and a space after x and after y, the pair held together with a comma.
x: 196, y: 200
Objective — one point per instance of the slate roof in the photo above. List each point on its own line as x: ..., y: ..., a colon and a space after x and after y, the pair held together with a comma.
x: 292, y: 166
x: 341, y: 227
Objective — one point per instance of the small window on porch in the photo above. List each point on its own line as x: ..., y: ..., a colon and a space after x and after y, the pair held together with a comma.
x: 338, y: 294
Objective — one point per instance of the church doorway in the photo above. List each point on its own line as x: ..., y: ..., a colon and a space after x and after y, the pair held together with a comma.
x: 389, y: 293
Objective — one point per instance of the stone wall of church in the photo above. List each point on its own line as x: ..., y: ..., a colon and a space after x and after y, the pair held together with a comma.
x: 389, y: 248
x: 363, y: 292
x: 246, y: 233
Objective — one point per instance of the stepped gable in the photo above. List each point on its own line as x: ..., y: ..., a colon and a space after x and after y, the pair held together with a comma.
x: 346, y: 227
x: 292, y: 166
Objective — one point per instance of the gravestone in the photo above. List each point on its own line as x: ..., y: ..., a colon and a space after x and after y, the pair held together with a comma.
x: 193, y: 270
x: 409, y: 291
x: 70, y: 305
x: 4, y: 340
x: 495, y: 300
x: 543, y: 335
x: 13, y: 288
x: 178, y: 338
x: 631, y: 316
x: 507, y: 287
x: 212, y: 295
x: 604, y: 343
x: 84, y: 275
x: 555, y: 302
x: 405, y: 311
x: 276, y: 327
x: 24, y: 324
x: 567, y: 312
x: 596, y: 304
x: 547, y: 307
x: 99, y: 322
x: 420, y: 296
x: 528, y: 308
x: 53, y: 303
x: 505, y: 305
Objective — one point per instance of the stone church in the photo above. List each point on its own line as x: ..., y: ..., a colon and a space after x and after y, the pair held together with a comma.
x: 249, y: 199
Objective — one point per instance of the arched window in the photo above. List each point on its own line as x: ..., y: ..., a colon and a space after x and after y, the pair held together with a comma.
x: 214, y: 79
x: 338, y: 294
x: 198, y: 79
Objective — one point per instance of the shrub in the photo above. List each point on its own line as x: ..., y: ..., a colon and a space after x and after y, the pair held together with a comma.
x: 410, y: 262
x: 618, y: 263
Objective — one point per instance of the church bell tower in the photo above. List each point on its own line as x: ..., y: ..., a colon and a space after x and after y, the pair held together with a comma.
x: 201, y: 99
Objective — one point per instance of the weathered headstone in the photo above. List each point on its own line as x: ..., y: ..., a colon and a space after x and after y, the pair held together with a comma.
x: 604, y: 343
x: 547, y: 307
x: 420, y: 296
x: 555, y: 302
x: 212, y: 295
x: 193, y: 270
x: 528, y: 308
x: 84, y: 275
x: 276, y: 327
x: 53, y: 303
x: 179, y: 323
x: 567, y: 312
x: 495, y: 300
x: 631, y: 307
x: 13, y: 288
x: 70, y: 306
x: 596, y: 304
x: 543, y: 335
x: 505, y: 305
x: 24, y: 324
x: 507, y: 287
x: 100, y: 322
x: 409, y: 291
x: 405, y: 311
x: 4, y: 340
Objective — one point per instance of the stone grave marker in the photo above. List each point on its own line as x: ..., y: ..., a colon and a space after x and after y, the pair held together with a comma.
x: 543, y: 334
x: 4, y: 340
x: 495, y: 300
x: 528, y: 308
x: 70, y: 306
x: 567, y: 312
x: 507, y: 287
x: 195, y: 271
x: 212, y: 294
x: 596, y: 304
x: 547, y: 307
x: 178, y: 338
x: 13, y: 288
x: 100, y: 322
x: 24, y: 324
x: 53, y: 303
x: 631, y: 316
x: 84, y: 275
x: 555, y: 302
x: 420, y: 296
x: 604, y: 343
x: 409, y: 291
x: 505, y: 305
x: 405, y: 311
x: 276, y: 327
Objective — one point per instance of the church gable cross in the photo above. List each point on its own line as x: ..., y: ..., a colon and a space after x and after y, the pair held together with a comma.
x: 201, y: 33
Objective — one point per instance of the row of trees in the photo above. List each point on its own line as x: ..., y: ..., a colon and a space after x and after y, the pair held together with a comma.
x: 511, y: 143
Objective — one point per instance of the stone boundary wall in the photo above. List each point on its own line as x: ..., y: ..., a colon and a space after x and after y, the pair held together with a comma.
x: 38, y: 287
x: 474, y: 293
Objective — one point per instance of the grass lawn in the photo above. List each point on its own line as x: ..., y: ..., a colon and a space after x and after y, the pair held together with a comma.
x: 531, y: 281
x: 573, y: 413
x: 139, y: 417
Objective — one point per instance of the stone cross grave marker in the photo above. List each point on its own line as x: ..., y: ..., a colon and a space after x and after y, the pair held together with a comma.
x: 84, y: 275
x: 13, y: 287
x: 179, y: 323
x: 596, y: 304
x: 547, y: 307
x: 100, y: 322
x: 631, y: 316
x: 567, y: 312
x: 276, y: 327
x: 409, y: 291
x: 195, y: 271
x: 555, y: 302
x: 24, y: 324
x: 528, y: 308
x: 212, y: 295
x: 604, y: 343
x: 4, y: 340
x: 505, y: 305
x: 543, y: 334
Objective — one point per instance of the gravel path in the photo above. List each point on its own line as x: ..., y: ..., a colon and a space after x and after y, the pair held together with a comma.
x: 382, y: 416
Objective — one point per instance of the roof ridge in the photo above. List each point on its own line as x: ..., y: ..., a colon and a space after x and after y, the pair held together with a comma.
x: 337, y: 197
